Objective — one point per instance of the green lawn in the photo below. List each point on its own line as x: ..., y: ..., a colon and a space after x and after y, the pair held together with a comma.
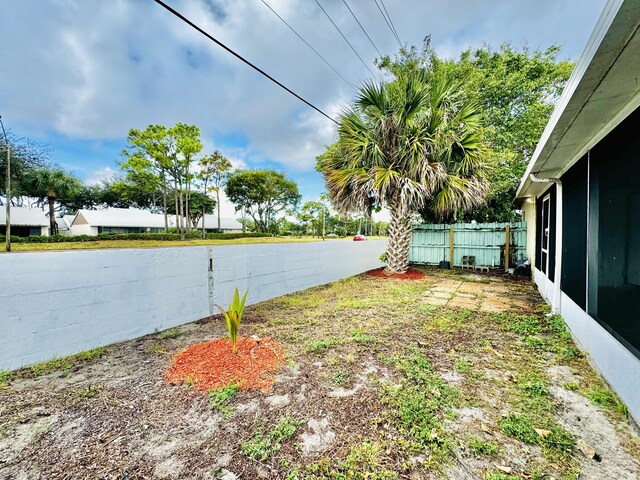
x: 36, y: 247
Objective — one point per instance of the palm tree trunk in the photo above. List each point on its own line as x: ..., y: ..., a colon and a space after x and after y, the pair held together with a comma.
x: 399, y: 238
x: 218, y: 205
x: 53, y: 226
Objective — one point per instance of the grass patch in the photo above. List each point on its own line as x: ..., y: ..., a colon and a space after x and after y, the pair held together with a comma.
x: 417, y: 408
x: 365, y: 461
x: 554, y: 440
x: 340, y: 378
x: 480, y: 447
x: 603, y: 397
x: 318, y: 347
x: 261, y: 447
x: 220, y: 398
x: 58, y: 364
x: 171, y: 333
x: 90, y: 392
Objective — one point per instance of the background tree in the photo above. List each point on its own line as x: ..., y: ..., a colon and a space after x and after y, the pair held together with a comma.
x: 26, y: 156
x: 414, y: 141
x: 199, y: 205
x: 262, y: 193
x: 517, y: 89
x: 147, y: 159
x: 52, y: 186
x: 213, y: 173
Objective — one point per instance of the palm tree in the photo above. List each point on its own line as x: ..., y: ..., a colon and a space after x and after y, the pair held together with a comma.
x: 51, y: 185
x: 411, y: 143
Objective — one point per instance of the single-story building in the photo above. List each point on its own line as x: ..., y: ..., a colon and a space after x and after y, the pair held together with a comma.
x: 118, y: 220
x: 64, y: 224
x: 581, y: 199
x: 25, y: 222
x: 227, y: 225
x: 131, y: 220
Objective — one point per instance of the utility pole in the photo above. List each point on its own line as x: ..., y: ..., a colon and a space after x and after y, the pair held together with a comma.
x: 8, y: 190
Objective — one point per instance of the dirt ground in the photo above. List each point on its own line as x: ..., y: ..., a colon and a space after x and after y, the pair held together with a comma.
x: 456, y: 375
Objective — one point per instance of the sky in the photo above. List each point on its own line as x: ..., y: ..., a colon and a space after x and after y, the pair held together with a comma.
x: 78, y: 74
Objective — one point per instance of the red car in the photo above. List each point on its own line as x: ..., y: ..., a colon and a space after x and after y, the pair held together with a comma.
x: 359, y: 238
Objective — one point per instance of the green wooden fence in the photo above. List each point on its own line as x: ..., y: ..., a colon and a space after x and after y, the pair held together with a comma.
x: 431, y: 244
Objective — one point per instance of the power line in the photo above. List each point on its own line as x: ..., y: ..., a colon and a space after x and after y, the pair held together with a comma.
x: 345, y: 38
x: 308, y: 45
x: 365, y: 32
x: 390, y: 21
x: 388, y: 24
x: 240, y: 57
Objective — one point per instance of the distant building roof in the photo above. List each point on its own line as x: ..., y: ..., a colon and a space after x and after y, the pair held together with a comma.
x: 64, y: 223
x: 24, y: 217
x: 122, y: 217
x: 226, y: 223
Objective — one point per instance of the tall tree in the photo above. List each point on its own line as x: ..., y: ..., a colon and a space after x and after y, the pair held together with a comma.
x: 213, y: 173
x: 262, y: 193
x: 186, y: 143
x: 147, y: 159
x: 413, y: 141
x: 517, y: 89
x: 51, y: 185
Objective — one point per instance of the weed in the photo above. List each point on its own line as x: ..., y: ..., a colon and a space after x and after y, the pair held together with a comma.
x: 525, y: 325
x: 219, y: 398
x: 481, y: 447
x: 603, y: 397
x: 534, y: 387
x: 573, y: 386
x: 5, y: 377
x: 359, y: 336
x: 320, y: 346
x: 158, y: 348
x: 171, y: 333
x: 90, y: 392
x: 261, y: 447
x: 462, y: 365
x: 340, y: 378
x: 418, y: 405
x: 63, y: 363
x: 554, y: 441
x: 363, y: 462
x: 500, y: 476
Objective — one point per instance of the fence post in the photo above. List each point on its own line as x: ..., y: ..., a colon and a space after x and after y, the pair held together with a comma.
x: 506, y: 248
x: 451, y: 235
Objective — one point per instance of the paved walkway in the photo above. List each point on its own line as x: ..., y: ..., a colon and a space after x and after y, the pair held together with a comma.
x: 477, y: 292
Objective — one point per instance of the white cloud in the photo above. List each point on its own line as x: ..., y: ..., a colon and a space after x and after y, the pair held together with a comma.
x: 100, y: 175
x: 93, y: 69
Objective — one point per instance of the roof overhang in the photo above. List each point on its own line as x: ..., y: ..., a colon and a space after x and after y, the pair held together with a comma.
x: 603, y: 90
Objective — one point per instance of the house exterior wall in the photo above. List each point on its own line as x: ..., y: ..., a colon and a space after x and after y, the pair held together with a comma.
x: 83, y: 229
x: 596, y: 294
x: 44, y: 231
x: 61, y: 303
x: 529, y: 216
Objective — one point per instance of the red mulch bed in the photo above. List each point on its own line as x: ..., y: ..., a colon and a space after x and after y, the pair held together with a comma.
x: 213, y: 364
x: 410, y: 274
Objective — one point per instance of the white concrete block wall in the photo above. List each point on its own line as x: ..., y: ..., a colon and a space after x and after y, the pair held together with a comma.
x: 59, y: 303
x: 272, y: 270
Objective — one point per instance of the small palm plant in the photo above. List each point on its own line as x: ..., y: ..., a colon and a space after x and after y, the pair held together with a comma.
x: 233, y: 316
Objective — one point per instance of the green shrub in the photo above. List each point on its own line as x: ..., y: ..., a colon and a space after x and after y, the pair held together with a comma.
x: 132, y: 236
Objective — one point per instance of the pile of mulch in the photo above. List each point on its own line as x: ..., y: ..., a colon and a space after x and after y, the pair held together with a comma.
x: 213, y: 364
x: 410, y: 274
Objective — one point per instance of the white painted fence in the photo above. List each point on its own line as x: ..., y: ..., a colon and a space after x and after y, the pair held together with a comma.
x: 59, y: 303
